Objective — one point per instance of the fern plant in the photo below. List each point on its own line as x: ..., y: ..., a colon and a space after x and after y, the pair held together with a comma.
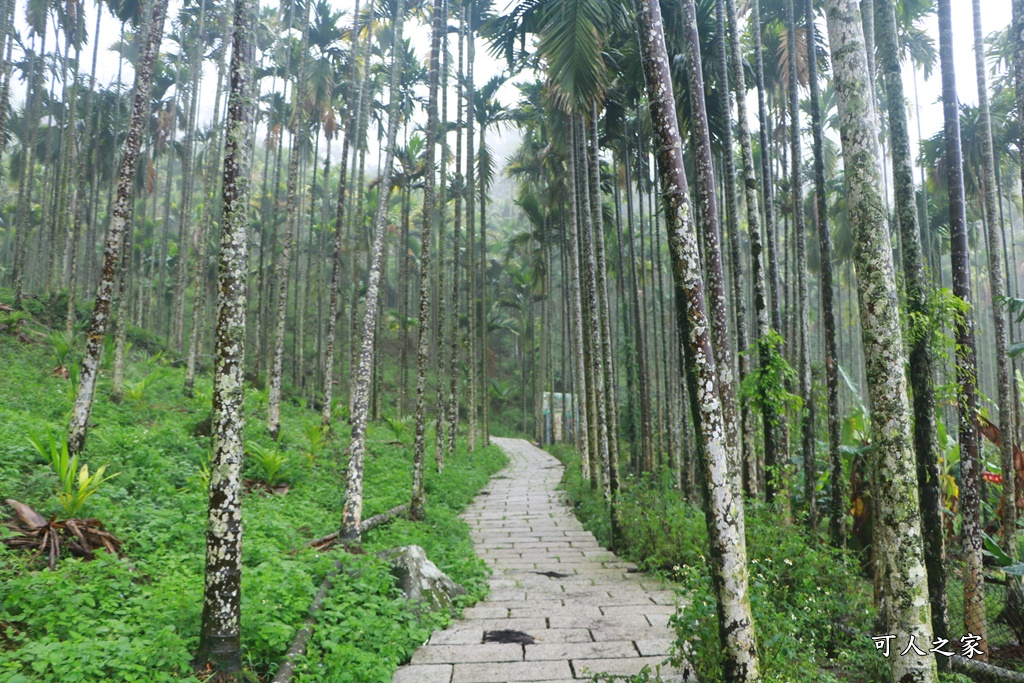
x: 316, y: 434
x: 272, y: 462
x: 77, y: 485
x: 136, y: 391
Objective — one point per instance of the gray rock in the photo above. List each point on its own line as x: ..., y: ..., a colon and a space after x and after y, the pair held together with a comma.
x: 420, y: 579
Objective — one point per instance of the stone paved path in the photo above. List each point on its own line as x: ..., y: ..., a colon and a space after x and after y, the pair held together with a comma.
x: 592, y: 614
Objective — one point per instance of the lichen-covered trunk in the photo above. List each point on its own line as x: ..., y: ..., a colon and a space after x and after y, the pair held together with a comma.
x: 185, y: 213
x: 352, y: 511
x: 611, y: 402
x: 646, y: 454
x: 473, y: 397
x: 998, y: 290
x: 582, y: 431
x: 767, y: 186
x: 724, y: 508
x: 837, y: 502
x: 220, y: 647
x: 907, y: 611
x: 121, y: 317
x: 718, y: 313
x: 592, y: 340
x: 120, y: 217
x: 195, y: 335
x: 426, y: 237
x: 916, y: 288
x: 803, y: 310
x: 768, y: 414
x: 441, y: 294
x: 290, y: 228
x: 748, y: 453
x: 453, y: 375
x: 966, y: 365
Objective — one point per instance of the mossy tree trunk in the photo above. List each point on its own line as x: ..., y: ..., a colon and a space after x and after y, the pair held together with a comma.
x: 897, y: 518
x: 724, y: 508
x: 915, y: 287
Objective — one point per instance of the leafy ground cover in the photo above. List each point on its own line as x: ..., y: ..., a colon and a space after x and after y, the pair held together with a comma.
x: 136, y: 617
x: 802, y: 591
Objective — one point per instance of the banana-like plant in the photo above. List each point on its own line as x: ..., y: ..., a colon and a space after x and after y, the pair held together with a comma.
x: 77, y: 484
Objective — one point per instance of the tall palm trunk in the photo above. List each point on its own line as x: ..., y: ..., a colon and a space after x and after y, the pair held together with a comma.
x: 121, y: 216
x: 453, y: 376
x: 767, y: 186
x: 708, y: 228
x: 23, y: 231
x: 997, y: 287
x: 769, y: 416
x: 426, y: 236
x: 897, y: 511
x: 578, y: 160
x: 445, y: 306
x: 351, y: 131
x: 352, y: 512
x: 837, y: 503
x: 604, y: 315
x: 86, y: 160
x: 220, y: 647
x: 474, y: 399
x: 724, y: 508
x: 803, y: 310
x: 291, y: 219
x: 746, y: 431
x: 646, y: 455
x: 966, y: 365
x: 916, y: 287
x: 580, y: 385
x: 7, y: 47
x: 196, y: 335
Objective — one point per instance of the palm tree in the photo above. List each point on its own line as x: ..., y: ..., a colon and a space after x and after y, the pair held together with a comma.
x: 915, y: 286
x: 352, y: 511
x: 122, y: 212
x: 803, y: 311
x: 220, y: 646
x: 724, y: 514
x: 290, y: 228
x: 339, y: 221
x: 837, y: 503
x: 966, y: 365
x: 770, y: 418
x: 897, y: 513
x: 996, y: 285
x: 419, y: 444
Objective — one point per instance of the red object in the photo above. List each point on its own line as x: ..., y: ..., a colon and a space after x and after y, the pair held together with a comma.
x: 992, y: 477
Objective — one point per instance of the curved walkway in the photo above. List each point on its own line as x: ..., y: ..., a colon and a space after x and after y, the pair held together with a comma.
x: 574, y: 608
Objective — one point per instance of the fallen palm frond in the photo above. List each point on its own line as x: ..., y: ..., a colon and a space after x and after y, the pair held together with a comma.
x: 80, y: 537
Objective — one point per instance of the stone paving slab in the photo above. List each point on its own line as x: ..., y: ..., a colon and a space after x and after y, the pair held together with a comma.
x: 584, y: 609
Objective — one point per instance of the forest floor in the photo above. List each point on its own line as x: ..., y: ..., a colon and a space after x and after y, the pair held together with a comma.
x: 561, y: 607
x: 135, y: 617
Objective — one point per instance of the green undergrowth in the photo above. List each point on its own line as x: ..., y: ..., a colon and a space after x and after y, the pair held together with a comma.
x: 136, y: 618
x: 800, y: 588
